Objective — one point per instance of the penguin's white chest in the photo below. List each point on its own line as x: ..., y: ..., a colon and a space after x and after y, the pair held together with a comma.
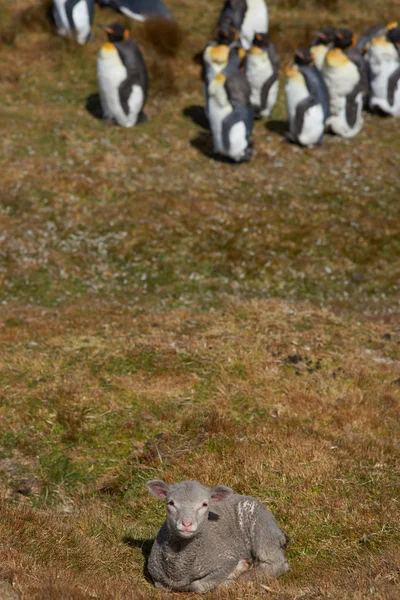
x: 219, y: 108
x: 236, y: 144
x: 384, y: 93
x: 341, y: 81
x: 319, y: 51
x: 111, y: 72
x: 258, y: 70
x: 255, y: 21
x: 296, y: 91
x: 312, y: 127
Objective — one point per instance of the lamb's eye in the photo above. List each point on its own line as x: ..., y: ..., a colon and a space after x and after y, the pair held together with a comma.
x: 205, y: 504
x: 171, y: 503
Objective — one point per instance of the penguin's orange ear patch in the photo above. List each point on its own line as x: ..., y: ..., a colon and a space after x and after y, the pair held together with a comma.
x: 126, y: 34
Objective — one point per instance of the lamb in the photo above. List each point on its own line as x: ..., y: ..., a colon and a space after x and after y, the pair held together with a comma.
x: 211, y: 536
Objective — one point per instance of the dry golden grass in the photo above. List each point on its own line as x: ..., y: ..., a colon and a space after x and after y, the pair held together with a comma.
x: 165, y: 315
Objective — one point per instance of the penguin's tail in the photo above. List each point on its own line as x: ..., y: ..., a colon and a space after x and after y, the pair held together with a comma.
x: 164, y: 35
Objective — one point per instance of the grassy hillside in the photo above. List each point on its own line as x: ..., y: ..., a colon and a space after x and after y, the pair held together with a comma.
x: 167, y: 315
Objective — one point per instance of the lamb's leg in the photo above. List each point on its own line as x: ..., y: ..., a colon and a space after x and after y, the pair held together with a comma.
x: 219, y: 579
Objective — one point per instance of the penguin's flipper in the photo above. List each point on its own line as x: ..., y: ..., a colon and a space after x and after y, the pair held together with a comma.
x: 141, y: 9
x: 393, y: 82
x: 317, y: 87
x: 133, y: 61
x: 352, y: 106
x: 301, y: 110
x: 273, y: 57
x: 265, y: 90
x: 238, y: 89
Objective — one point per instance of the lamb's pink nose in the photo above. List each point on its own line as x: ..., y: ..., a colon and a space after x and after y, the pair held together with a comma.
x: 187, y: 523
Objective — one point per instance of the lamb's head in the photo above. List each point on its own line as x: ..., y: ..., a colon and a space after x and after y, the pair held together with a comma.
x: 188, y: 504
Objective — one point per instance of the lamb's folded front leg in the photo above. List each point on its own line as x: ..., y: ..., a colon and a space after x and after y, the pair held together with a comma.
x: 221, y: 578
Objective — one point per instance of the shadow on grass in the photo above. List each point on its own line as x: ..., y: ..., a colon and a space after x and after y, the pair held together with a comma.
x: 279, y: 127
x: 93, y: 106
x: 197, y: 115
x: 203, y: 142
x: 145, y: 546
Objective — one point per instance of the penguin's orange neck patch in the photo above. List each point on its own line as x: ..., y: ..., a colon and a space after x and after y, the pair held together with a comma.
x: 219, y: 54
x: 291, y: 71
x: 108, y: 47
x: 380, y: 41
x: 336, y: 58
x: 256, y: 50
x: 220, y: 78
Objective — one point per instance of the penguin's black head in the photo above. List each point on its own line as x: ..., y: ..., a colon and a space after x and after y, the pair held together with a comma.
x: 303, y: 57
x: 260, y: 40
x: 393, y: 35
x: 116, y: 32
x: 225, y: 37
x: 344, y: 38
x: 227, y: 32
x: 325, y: 36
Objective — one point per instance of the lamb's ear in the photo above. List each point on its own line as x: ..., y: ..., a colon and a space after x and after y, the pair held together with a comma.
x: 158, y: 488
x: 220, y: 492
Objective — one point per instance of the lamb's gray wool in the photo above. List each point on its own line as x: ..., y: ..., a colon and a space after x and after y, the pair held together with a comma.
x: 211, y: 536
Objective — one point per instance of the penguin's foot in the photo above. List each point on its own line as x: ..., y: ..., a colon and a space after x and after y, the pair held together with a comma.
x: 142, y: 118
x: 290, y: 138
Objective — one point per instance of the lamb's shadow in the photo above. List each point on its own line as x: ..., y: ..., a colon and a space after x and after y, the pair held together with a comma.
x: 197, y: 115
x: 204, y: 143
x: 93, y: 106
x: 277, y: 126
x: 145, y: 546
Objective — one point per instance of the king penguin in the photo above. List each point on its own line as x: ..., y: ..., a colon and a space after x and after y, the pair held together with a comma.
x: 344, y: 81
x: 384, y: 73
x: 223, y: 53
x: 74, y: 18
x: 231, y: 113
x: 346, y: 40
x: 262, y: 67
x: 122, y: 77
x: 322, y: 43
x: 139, y: 10
x: 307, y: 100
x: 248, y: 17
x: 373, y: 32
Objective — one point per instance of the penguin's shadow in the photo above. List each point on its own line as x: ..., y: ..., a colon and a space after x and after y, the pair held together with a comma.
x: 277, y: 126
x: 145, y: 546
x: 204, y: 143
x: 93, y: 106
x: 197, y: 115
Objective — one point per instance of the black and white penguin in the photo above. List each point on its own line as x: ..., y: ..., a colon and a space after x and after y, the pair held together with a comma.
x: 74, y: 18
x: 140, y: 10
x: 248, y: 17
x: 346, y: 95
x: 384, y: 73
x: 373, y: 32
x: 122, y: 77
x: 262, y: 68
x: 346, y: 40
x: 224, y: 53
x: 231, y: 114
x: 322, y: 43
x: 307, y: 100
